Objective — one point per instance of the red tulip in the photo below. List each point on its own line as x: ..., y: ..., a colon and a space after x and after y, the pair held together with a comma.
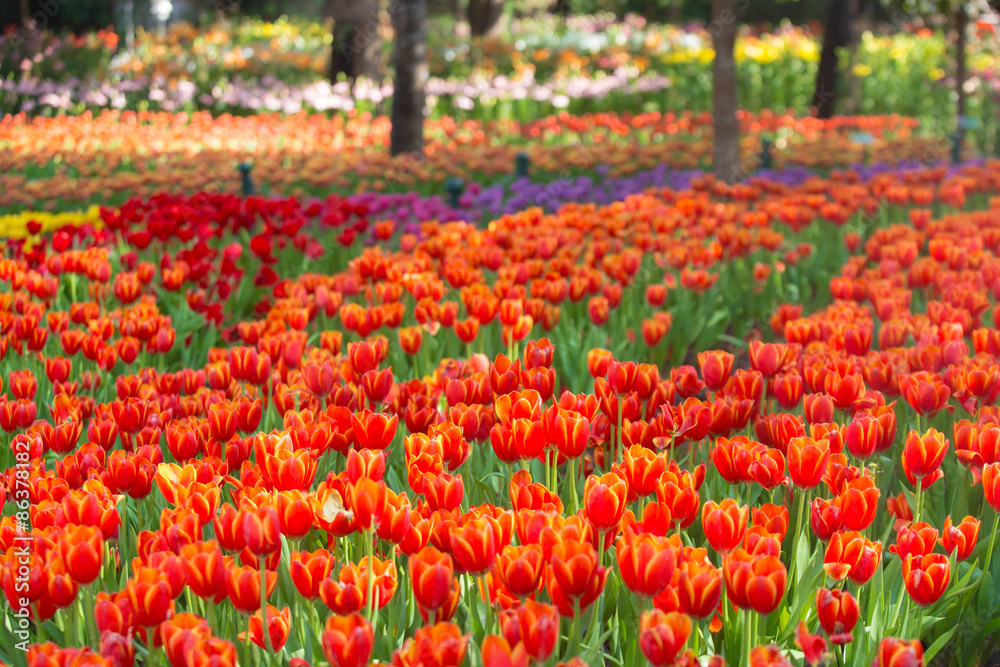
x: 851, y: 554
x: 961, y: 538
x: 755, y: 581
x: 926, y: 577
x: 838, y: 613
x: 348, y: 641
x: 662, y: 636
x: 724, y: 524
x: 646, y: 563
x: 922, y: 457
x: 604, y: 499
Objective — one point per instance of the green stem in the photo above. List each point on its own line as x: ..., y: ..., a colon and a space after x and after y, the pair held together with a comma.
x: 39, y: 627
x: 484, y: 592
x: 993, y: 537
x: 123, y: 544
x: 619, y: 451
x: 571, y: 479
x: 573, y: 646
x: 795, y: 537
x: 262, y: 561
x: 369, y: 552
x: 93, y: 636
x: 916, y: 512
x: 747, y: 645
x: 247, y: 651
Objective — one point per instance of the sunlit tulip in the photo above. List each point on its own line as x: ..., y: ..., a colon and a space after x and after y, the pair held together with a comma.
x: 926, y: 577
x: 754, y: 581
x: 893, y: 652
x: 850, y: 554
x: 917, y: 539
x: 278, y: 626
x: 960, y: 538
x: 347, y: 641
x: 646, y: 563
x: 838, y: 613
x: 662, y: 636
x: 922, y: 457
x: 724, y: 524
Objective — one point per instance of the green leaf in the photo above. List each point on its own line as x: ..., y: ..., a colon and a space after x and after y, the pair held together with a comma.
x: 732, y: 340
x: 802, y: 554
x: 939, y: 644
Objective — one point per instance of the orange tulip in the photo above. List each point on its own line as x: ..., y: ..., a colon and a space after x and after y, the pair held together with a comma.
x: 373, y: 430
x: 262, y: 530
x: 755, y: 581
x: 838, y: 613
x: 851, y: 554
x: 604, y: 499
x: 861, y: 437
x: 769, y: 358
x: 893, y: 652
x: 474, y: 546
x: 441, y: 645
x: 773, y: 518
x: 243, y: 586
x: 150, y: 595
x: 917, y: 539
x: 643, y: 468
x: 715, y: 367
x: 575, y: 572
x: 724, y: 524
x: 308, y: 570
x: 520, y: 569
x: 925, y: 392
x: 662, y: 636
x: 496, y: 651
x: 700, y: 585
x: 180, y: 634
x: 807, y: 461
x: 82, y: 552
x: 859, y: 500
x: 278, y: 624
x: 922, y: 457
x: 646, y: 563
x: 348, y: 641
x: 368, y: 501
x: 533, y: 624
x: 431, y: 576
x: 926, y: 577
x: 345, y: 594
x: 961, y: 538
x: 205, y: 570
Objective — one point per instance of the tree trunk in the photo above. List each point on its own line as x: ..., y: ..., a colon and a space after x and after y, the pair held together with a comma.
x: 484, y: 16
x: 409, y: 54
x: 25, y: 12
x: 961, y: 74
x: 842, y: 31
x: 356, y: 44
x: 836, y: 35
x: 675, y: 12
x: 560, y: 7
x: 726, y: 158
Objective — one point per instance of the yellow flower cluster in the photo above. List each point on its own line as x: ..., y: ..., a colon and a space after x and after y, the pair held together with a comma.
x: 15, y: 226
x: 762, y: 50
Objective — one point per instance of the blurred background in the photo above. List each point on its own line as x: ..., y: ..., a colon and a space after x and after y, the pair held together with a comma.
x: 518, y: 61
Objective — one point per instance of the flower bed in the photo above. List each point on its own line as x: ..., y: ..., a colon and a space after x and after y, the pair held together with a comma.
x: 273, y: 430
